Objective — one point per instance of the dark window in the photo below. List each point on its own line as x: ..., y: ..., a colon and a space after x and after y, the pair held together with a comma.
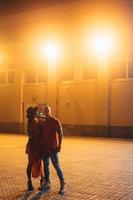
x: 90, y: 71
x: 2, y: 77
x: 130, y: 69
x: 10, y: 77
x: 42, y: 74
x: 30, y: 76
x: 118, y: 70
x: 67, y: 72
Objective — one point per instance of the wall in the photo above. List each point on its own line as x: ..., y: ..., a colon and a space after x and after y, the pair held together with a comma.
x: 84, y: 106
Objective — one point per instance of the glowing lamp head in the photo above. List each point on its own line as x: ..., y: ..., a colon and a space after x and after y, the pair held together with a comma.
x: 103, y: 44
x: 50, y: 51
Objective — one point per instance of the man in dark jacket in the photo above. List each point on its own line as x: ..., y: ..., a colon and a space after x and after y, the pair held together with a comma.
x: 51, y: 146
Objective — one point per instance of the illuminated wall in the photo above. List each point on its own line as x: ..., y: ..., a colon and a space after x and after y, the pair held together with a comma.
x: 79, y: 92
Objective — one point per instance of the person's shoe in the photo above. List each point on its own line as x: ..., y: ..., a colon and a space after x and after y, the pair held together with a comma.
x: 30, y: 186
x: 46, y: 185
x: 62, y: 188
x: 42, y: 181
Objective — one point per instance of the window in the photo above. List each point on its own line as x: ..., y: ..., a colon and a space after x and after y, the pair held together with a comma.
x: 30, y: 76
x: 41, y: 74
x: 2, y: 77
x: 67, y: 72
x: 10, y: 77
x: 6, y: 76
x: 130, y: 69
x: 118, y: 70
x: 90, y: 71
x: 35, y: 75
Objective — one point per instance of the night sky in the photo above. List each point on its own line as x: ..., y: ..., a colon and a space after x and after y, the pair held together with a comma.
x: 16, y: 6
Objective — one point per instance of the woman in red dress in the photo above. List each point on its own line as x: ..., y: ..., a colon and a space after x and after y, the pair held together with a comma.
x: 33, y: 147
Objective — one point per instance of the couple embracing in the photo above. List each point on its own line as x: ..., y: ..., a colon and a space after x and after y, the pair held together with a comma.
x: 44, y: 144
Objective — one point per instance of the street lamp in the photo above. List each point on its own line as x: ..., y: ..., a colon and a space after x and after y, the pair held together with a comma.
x: 50, y: 51
x: 103, y: 46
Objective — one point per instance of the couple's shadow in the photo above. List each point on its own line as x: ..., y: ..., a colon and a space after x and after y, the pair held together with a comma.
x: 28, y: 195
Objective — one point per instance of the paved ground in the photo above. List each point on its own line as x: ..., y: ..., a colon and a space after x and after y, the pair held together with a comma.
x: 95, y: 169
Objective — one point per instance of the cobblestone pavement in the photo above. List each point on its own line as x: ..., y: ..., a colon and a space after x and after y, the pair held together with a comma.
x: 95, y: 169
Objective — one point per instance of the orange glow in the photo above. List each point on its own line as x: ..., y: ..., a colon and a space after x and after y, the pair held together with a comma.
x: 103, y: 43
x: 1, y: 58
x: 50, y: 50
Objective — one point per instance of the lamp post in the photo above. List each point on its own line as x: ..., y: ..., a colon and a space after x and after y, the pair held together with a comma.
x: 102, y: 46
x: 51, y: 52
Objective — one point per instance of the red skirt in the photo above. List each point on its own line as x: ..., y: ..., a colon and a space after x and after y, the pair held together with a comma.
x: 37, y: 167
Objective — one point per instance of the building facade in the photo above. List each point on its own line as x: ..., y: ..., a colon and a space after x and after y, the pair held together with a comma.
x: 91, y: 96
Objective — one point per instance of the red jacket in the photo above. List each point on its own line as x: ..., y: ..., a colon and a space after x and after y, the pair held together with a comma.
x: 50, y: 129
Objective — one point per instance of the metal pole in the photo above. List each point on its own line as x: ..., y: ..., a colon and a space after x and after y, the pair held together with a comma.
x: 109, y: 104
